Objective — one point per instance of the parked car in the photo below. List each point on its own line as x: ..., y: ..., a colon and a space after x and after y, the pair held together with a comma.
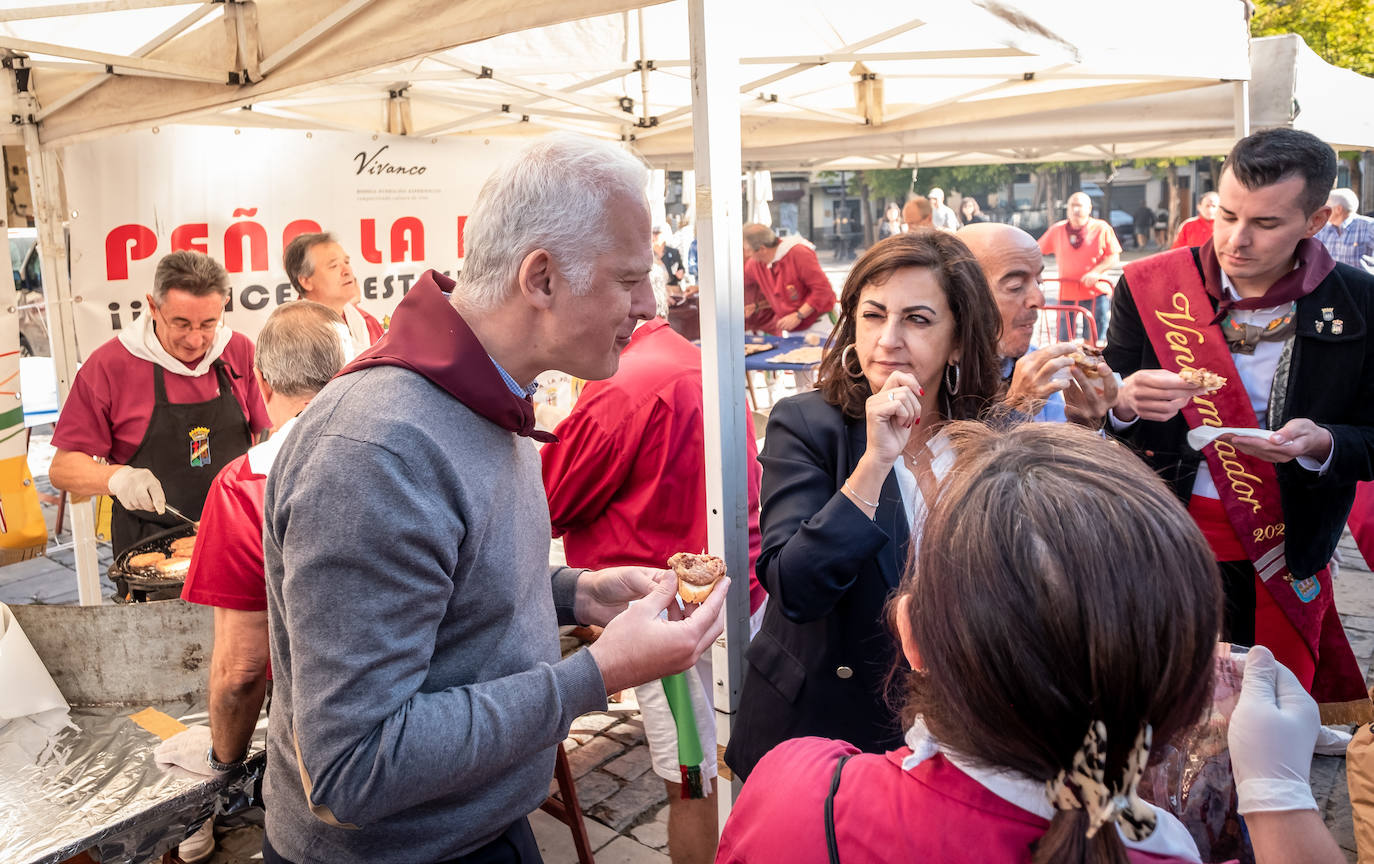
x: 26, y: 267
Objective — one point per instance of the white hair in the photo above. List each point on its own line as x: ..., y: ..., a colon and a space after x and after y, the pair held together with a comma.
x: 1345, y: 198
x: 553, y: 196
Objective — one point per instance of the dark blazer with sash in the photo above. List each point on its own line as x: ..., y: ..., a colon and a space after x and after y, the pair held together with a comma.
x: 819, y: 664
x: 1331, y: 382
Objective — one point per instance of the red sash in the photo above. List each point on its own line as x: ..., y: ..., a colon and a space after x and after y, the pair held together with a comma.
x: 1176, y: 313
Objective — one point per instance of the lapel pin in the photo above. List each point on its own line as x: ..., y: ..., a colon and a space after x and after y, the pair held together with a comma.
x: 1320, y: 325
x: 1336, y: 327
x: 1328, y: 312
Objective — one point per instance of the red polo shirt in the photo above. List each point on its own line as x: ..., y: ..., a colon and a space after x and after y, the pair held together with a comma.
x: 1099, y: 243
x: 1193, y: 232
x: 107, y: 412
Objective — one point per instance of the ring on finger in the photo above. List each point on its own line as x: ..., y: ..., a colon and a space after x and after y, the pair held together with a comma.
x: 891, y: 395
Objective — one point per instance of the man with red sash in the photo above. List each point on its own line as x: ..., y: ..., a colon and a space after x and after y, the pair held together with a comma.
x: 1263, y: 306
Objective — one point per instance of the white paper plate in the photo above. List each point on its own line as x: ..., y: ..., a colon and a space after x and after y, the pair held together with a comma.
x: 1204, y: 435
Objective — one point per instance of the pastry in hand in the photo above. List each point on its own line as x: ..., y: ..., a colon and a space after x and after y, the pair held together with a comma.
x: 1088, y: 358
x: 1209, y: 381
x: 696, y: 575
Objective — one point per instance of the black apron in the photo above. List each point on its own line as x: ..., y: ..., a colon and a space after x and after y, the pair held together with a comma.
x: 184, y: 447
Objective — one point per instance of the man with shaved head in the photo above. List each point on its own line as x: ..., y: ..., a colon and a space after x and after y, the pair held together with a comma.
x: 1198, y: 230
x: 1013, y: 265
x: 1084, y: 249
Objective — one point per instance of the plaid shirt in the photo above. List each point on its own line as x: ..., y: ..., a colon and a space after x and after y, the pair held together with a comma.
x: 1350, y: 241
x: 512, y: 384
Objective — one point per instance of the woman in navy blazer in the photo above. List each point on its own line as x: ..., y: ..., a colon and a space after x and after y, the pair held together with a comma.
x: 846, y: 469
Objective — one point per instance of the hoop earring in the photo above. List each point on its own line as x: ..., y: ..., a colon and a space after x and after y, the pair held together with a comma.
x: 844, y: 362
x: 952, y: 387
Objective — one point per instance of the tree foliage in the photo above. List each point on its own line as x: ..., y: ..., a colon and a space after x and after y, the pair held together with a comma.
x: 1338, y: 30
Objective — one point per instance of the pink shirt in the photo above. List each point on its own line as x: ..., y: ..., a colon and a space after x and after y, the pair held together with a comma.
x: 107, y: 412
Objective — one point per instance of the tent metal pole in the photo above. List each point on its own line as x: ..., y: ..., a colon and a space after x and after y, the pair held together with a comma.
x: 720, y: 257
x: 1240, y: 108
x: 57, y: 286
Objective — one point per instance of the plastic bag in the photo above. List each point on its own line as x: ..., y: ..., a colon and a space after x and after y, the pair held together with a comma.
x: 1192, y: 778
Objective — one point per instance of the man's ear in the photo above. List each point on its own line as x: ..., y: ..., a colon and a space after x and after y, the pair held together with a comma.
x: 148, y: 298
x: 903, y: 615
x: 1318, y: 220
x: 535, y: 279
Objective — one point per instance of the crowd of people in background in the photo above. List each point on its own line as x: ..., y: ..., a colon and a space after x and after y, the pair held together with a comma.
x: 917, y: 521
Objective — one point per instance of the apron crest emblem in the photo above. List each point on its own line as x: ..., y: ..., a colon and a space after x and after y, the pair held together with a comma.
x: 200, y: 447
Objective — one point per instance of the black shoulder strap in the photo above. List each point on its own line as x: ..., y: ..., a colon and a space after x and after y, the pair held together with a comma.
x: 830, y: 845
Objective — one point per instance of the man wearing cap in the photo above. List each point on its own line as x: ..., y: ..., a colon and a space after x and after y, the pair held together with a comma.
x: 156, y: 411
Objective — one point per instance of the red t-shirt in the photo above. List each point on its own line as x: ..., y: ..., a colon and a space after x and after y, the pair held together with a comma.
x: 626, y: 479
x: 1193, y: 232
x: 107, y: 412
x: 1099, y: 243
x: 227, y: 566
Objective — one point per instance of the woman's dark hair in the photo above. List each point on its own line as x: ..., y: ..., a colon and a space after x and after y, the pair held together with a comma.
x: 1058, y: 582
x: 977, y: 323
x: 1274, y: 155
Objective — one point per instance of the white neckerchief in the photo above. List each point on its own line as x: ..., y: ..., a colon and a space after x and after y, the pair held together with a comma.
x: 357, y: 331
x: 261, y: 456
x: 1169, y: 839
x: 141, y: 341
x: 1256, y: 371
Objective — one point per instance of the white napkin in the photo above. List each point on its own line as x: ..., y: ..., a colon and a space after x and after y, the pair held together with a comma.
x: 25, y: 685
x: 1204, y: 435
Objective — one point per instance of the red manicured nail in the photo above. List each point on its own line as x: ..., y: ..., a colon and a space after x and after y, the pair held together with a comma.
x: 920, y: 391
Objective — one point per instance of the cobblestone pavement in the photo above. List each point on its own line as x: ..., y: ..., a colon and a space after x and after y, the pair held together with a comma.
x: 624, y: 802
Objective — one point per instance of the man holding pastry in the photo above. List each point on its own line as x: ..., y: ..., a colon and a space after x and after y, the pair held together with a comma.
x: 1259, y: 329
x: 418, y: 692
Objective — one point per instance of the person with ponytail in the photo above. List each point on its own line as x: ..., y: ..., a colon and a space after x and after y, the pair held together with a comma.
x: 1047, y: 665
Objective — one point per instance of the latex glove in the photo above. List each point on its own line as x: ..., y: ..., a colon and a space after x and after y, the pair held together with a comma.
x: 187, y: 750
x: 1272, y: 735
x: 138, y: 489
x: 1332, y: 741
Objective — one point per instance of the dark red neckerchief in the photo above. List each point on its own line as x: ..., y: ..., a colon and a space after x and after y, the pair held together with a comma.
x: 1314, y: 265
x: 430, y: 338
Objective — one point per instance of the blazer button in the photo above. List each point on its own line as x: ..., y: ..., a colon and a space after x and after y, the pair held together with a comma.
x: 844, y: 672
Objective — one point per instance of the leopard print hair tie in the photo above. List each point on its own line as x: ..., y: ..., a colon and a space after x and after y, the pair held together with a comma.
x: 1084, y: 786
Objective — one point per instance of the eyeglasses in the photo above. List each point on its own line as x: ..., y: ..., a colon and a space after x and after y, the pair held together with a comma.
x: 183, y: 328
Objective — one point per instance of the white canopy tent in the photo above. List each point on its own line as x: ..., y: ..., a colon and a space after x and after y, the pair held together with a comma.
x: 669, y: 80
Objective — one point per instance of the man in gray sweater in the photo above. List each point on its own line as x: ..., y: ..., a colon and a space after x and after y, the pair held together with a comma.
x: 419, y: 693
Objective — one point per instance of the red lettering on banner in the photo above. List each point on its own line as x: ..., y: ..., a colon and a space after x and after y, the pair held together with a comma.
x: 407, y: 233
x: 296, y: 229
x: 233, y: 243
x: 370, y: 252
x: 124, y: 244
x: 184, y: 237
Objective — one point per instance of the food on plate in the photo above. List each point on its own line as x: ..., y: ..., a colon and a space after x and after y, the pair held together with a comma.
x: 808, y: 354
x: 813, y: 339
x: 1088, y: 358
x: 696, y: 575
x: 1209, y: 381
x: 173, y: 567
x: 182, y: 547
x: 757, y: 347
x: 147, y: 559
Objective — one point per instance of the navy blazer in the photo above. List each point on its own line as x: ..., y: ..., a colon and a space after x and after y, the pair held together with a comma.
x: 1330, y: 382
x: 820, y: 662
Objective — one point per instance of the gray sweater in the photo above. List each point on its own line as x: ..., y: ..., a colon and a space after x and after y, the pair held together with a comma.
x: 418, y: 693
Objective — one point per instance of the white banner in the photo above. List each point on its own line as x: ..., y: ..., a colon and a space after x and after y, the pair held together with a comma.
x: 397, y: 205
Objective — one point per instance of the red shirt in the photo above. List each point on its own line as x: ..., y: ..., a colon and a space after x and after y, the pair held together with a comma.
x: 107, y: 412
x: 794, y: 278
x: 933, y: 812
x: 758, y: 311
x: 227, y: 566
x: 626, y: 479
x: 1099, y: 243
x: 1193, y: 232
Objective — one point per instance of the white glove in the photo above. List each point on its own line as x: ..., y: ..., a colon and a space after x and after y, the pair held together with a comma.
x: 138, y: 489
x: 1332, y: 741
x: 1273, y: 731
x: 187, y: 749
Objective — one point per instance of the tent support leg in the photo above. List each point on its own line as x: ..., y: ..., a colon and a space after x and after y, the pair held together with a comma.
x: 720, y: 259
x: 57, y: 286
